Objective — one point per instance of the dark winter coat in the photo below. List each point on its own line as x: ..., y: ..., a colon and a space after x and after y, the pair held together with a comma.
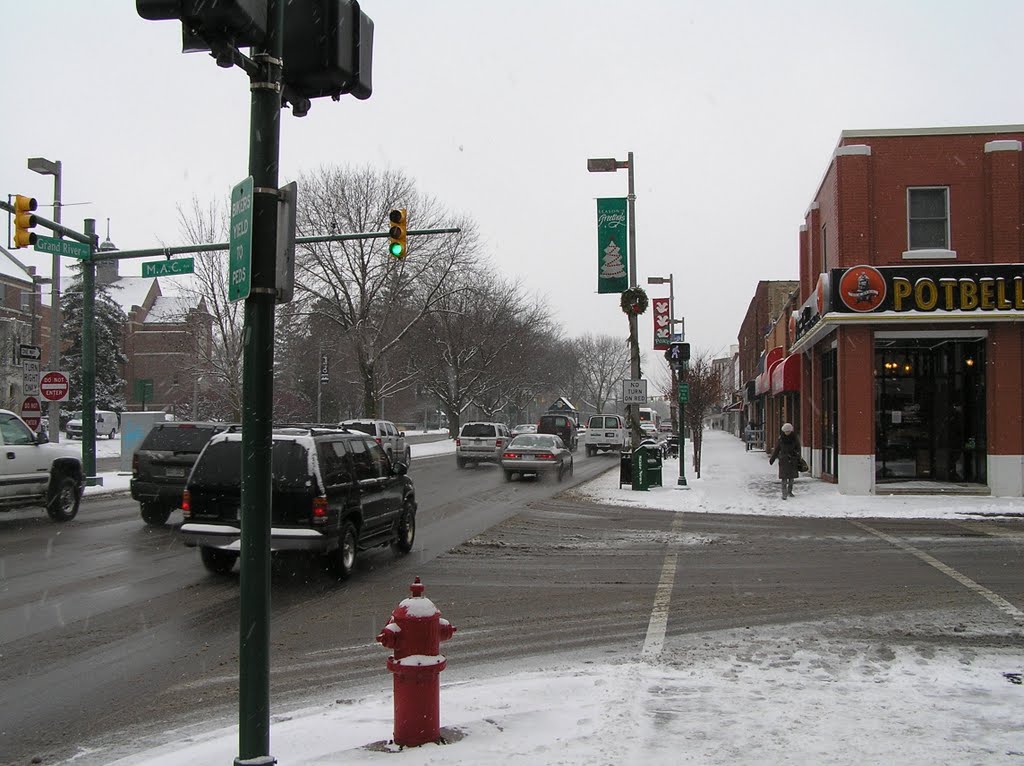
x: 787, y: 452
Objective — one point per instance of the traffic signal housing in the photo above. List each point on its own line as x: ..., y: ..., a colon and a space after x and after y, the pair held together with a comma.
x: 677, y: 353
x: 398, y: 233
x: 24, y: 220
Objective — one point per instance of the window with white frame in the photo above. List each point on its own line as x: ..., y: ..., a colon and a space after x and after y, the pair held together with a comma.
x: 928, y: 218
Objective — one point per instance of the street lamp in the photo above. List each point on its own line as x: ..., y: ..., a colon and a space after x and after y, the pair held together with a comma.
x: 677, y: 406
x: 51, y: 168
x: 610, y: 165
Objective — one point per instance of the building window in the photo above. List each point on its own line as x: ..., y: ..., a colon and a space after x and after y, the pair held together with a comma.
x: 928, y: 218
x: 26, y: 302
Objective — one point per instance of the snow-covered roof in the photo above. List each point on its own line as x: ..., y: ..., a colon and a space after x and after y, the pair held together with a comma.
x: 169, y: 309
x: 11, y: 263
x: 131, y: 291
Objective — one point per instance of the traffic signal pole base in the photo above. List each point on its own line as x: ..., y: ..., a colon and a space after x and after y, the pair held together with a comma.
x: 681, y: 482
x: 94, y: 481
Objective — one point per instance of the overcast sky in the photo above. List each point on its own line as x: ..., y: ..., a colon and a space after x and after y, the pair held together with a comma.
x: 732, y: 110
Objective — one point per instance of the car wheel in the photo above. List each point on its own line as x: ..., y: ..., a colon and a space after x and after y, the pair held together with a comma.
x: 155, y: 514
x: 408, y: 456
x: 216, y: 560
x: 406, y: 528
x: 460, y: 462
x: 63, y: 499
x: 344, y: 560
x: 571, y: 468
x: 561, y: 471
x: 112, y: 434
x: 508, y: 475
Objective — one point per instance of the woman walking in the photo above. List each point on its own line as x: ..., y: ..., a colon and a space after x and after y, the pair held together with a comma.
x: 787, y: 452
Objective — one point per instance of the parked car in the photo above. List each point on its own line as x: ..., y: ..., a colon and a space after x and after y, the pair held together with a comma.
x: 161, y: 465
x: 605, y: 432
x: 35, y: 472
x: 334, y: 493
x: 107, y: 424
x: 535, y: 454
x: 480, y: 443
x: 524, y: 428
x: 560, y: 425
x: 386, y: 434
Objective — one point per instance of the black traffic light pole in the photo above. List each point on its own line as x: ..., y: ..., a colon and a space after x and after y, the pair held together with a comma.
x: 258, y: 399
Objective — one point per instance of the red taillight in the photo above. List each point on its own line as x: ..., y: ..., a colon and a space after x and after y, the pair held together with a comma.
x: 377, y: 439
x: 320, y: 510
x: 498, y: 443
x: 186, y: 503
x: 545, y: 456
x: 135, y: 465
x: 511, y: 455
x: 458, y: 442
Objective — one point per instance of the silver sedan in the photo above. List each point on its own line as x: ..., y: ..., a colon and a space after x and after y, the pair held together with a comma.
x: 536, y: 454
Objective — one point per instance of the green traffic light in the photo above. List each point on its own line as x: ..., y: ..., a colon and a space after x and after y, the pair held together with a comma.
x: 396, y: 249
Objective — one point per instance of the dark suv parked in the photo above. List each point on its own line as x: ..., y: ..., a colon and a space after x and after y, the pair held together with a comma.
x: 334, y: 493
x: 162, y: 463
x: 559, y: 425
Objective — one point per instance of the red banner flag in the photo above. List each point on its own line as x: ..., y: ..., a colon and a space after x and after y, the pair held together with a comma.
x: 662, y: 324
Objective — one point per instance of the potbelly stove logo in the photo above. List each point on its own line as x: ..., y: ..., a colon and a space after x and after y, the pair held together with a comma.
x: 862, y: 289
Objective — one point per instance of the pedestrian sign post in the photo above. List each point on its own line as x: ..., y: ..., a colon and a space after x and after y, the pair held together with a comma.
x: 240, y: 243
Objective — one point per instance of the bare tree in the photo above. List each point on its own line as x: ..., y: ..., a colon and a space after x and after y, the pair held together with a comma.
x: 474, y: 346
x: 705, y: 391
x: 603, y: 361
x: 219, y: 363
x: 372, y: 301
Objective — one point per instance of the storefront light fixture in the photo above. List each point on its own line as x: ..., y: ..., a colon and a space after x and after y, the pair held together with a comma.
x: 969, y: 362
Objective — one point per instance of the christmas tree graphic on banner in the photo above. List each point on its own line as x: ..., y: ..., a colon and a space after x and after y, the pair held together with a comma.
x: 612, y: 272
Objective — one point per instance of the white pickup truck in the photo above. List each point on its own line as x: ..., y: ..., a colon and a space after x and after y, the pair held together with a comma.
x: 605, y: 432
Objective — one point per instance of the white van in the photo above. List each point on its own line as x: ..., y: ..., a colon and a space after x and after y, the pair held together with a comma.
x: 107, y: 424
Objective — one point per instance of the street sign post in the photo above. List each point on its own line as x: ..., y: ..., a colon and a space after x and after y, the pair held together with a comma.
x: 634, y: 392
x: 30, y: 352
x: 684, y: 393
x: 32, y: 412
x: 169, y: 267
x: 240, y: 242
x: 66, y: 247
x: 54, y: 386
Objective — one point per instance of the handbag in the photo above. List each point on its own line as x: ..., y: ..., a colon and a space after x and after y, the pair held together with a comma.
x: 803, y: 467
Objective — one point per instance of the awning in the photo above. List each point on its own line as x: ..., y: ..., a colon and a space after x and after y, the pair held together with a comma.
x: 734, y: 407
x: 786, y: 375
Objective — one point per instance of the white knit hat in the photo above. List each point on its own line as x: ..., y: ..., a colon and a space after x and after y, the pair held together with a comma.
x: 787, y: 428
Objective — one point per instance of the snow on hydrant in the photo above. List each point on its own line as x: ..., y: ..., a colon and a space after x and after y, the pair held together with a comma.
x: 415, y: 632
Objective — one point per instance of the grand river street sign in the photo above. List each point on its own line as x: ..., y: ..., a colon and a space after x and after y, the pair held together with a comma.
x: 168, y: 268
x: 66, y: 247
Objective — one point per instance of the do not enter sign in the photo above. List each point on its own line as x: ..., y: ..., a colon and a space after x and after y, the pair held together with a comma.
x: 31, y: 412
x: 54, y: 386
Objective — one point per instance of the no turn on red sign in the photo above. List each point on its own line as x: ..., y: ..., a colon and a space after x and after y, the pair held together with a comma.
x: 54, y: 386
x: 31, y: 412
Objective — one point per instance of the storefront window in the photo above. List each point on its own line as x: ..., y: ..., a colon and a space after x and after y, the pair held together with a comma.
x: 829, y: 414
x: 929, y: 410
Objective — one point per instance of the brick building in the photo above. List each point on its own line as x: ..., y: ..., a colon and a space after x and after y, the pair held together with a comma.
x: 754, y: 358
x: 24, y: 319
x: 911, y: 325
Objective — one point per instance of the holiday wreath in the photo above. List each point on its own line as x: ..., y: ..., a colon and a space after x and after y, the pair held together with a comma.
x: 634, y: 301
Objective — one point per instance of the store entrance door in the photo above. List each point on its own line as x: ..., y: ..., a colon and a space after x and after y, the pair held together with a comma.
x: 930, y: 410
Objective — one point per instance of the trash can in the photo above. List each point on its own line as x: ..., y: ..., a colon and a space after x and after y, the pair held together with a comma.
x: 641, y: 468
x: 625, y: 467
x: 654, y: 462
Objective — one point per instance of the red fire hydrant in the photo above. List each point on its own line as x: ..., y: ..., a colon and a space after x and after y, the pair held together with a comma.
x: 415, y: 632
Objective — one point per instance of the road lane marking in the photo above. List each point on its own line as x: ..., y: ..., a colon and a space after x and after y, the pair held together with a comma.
x: 654, y: 641
x: 998, y: 601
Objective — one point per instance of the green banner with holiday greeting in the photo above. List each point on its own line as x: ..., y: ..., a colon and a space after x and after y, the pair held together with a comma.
x: 612, y: 249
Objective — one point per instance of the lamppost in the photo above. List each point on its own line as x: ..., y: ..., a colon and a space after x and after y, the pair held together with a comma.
x: 677, y: 406
x: 53, y: 168
x: 610, y: 165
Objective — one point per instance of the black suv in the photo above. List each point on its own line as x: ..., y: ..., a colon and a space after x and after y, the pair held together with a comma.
x: 559, y: 425
x: 161, y: 464
x: 334, y: 493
